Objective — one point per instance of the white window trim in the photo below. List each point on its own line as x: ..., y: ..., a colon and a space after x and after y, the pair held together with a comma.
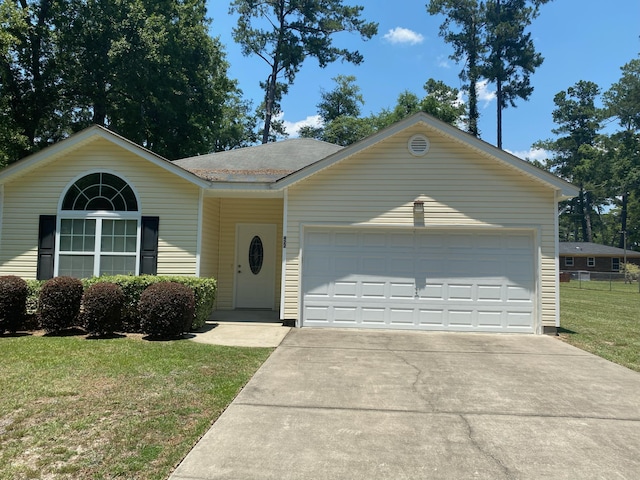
x: 98, y: 215
x: 591, y: 261
x: 568, y: 261
x: 97, y: 253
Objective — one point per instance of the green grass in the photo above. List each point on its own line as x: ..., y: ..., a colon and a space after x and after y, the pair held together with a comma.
x: 606, y: 323
x: 73, y: 408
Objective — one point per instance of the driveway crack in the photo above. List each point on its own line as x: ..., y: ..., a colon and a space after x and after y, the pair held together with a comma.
x: 470, y: 435
x: 416, y: 381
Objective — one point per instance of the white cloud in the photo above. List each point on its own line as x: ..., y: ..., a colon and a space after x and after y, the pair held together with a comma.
x: 403, y: 35
x: 484, y: 94
x: 531, y: 154
x: 292, y: 128
x: 443, y: 61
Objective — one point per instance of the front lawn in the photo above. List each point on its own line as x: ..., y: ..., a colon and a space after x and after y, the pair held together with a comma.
x: 602, y: 322
x: 73, y: 408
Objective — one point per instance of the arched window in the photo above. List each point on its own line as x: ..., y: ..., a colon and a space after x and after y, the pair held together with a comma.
x: 100, y: 191
x: 99, y: 231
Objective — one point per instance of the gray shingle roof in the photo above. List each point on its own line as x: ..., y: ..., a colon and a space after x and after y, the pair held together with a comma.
x: 586, y: 249
x: 261, y: 163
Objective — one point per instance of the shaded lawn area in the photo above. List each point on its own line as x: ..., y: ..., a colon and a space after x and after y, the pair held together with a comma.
x: 119, y: 408
x: 602, y: 322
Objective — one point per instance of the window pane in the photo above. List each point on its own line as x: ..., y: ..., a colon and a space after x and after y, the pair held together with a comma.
x: 117, y: 265
x: 131, y: 244
x: 106, y: 244
x: 78, y: 266
x: 65, y: 243
x: 119, y: 236
x: 119, y: 227
x: 132, y: 227
x: 65, y: 226
x: 107, y: 227
x: 77, y: 235
x: 78, y: 227
x: 118, y: 244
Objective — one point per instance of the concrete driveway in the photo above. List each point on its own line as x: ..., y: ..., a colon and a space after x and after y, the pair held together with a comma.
x: 342, y: 404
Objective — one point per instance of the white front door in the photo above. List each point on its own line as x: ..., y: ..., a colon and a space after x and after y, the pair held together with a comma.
x: 255, y: 265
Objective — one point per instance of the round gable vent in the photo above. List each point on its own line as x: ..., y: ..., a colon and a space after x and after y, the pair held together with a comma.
x: 419, y: 145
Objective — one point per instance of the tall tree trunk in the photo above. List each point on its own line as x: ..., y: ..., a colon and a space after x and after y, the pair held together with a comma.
x: 623, y: 219
x: 587, y: 217
x: 499, y: 113
x: 268, y: 104
x: 499, y: 91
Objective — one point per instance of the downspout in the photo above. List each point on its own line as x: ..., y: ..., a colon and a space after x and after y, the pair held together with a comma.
x: 556, y: 233
x: 283, y: 279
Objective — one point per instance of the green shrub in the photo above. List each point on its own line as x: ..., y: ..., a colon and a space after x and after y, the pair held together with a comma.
x: 59, y: 303
x: 102, y: 308
x: 166, y: 309
x: 13, y: 303
x: 204, y: 291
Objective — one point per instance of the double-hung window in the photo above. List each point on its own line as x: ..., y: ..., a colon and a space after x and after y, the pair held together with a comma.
x: 99, y: 229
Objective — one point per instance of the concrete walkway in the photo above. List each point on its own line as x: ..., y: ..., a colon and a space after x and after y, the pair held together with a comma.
x: 242, y: 328
x: 342, y: 404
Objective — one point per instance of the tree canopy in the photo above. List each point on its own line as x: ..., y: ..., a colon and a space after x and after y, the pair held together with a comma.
x: 490, y: 39
x: 283, y: 33
x: 146, y: 69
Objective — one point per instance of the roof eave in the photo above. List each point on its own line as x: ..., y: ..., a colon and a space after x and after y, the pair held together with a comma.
x: 85, y: 136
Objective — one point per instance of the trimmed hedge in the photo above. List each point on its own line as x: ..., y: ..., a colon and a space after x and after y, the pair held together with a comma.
x: 166, y: 309
x: 13, y: 303
x: 59, y: 303
x: 204, y: 291
x: 102, y: 308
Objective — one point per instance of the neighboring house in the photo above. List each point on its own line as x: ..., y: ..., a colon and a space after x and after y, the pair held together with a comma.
x: 586, y: 256
x: 420, y: 226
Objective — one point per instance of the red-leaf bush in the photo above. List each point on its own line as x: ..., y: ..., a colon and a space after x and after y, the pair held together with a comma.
x: 102, y: 305
x: 59, y: 303
x: 166, y: 309
x: 13, y: 303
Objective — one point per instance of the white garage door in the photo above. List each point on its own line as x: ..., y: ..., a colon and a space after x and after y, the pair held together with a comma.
x: 404, y: 279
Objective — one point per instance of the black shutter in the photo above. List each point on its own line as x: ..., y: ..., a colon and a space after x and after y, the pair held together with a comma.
x: 149, y: 246
x: 46, y: 246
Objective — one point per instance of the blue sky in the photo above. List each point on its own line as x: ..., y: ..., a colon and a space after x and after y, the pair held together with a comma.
x: 579, y: 40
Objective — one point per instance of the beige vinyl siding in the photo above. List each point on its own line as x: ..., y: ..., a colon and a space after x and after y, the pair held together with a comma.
x: 459, y: 187
x: 160, y: 193
x: 233, y: 212
x: 210, y: 237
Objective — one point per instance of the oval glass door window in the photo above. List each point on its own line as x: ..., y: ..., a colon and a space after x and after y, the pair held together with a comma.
x: 256, y: 255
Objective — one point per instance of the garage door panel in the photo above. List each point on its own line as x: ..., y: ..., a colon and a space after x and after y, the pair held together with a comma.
x: 418, y: 280
x: 460, y: 318
x: 490, y: 293
x: 398, y: 290
x: 460, y: 292
x: 372, y: 290
x: 373, y: 316
x: 490, y: 319
x: 431, y: 317
x: 345, y: 289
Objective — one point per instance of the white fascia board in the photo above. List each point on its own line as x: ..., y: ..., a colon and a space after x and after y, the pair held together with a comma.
x: 85, y: 136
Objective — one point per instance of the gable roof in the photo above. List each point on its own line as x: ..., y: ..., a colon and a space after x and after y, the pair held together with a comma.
x: 587, y: 249
x: 565, y: 189
x: 261, y: 163
x: 275, y: 166
x: 84, y: 137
